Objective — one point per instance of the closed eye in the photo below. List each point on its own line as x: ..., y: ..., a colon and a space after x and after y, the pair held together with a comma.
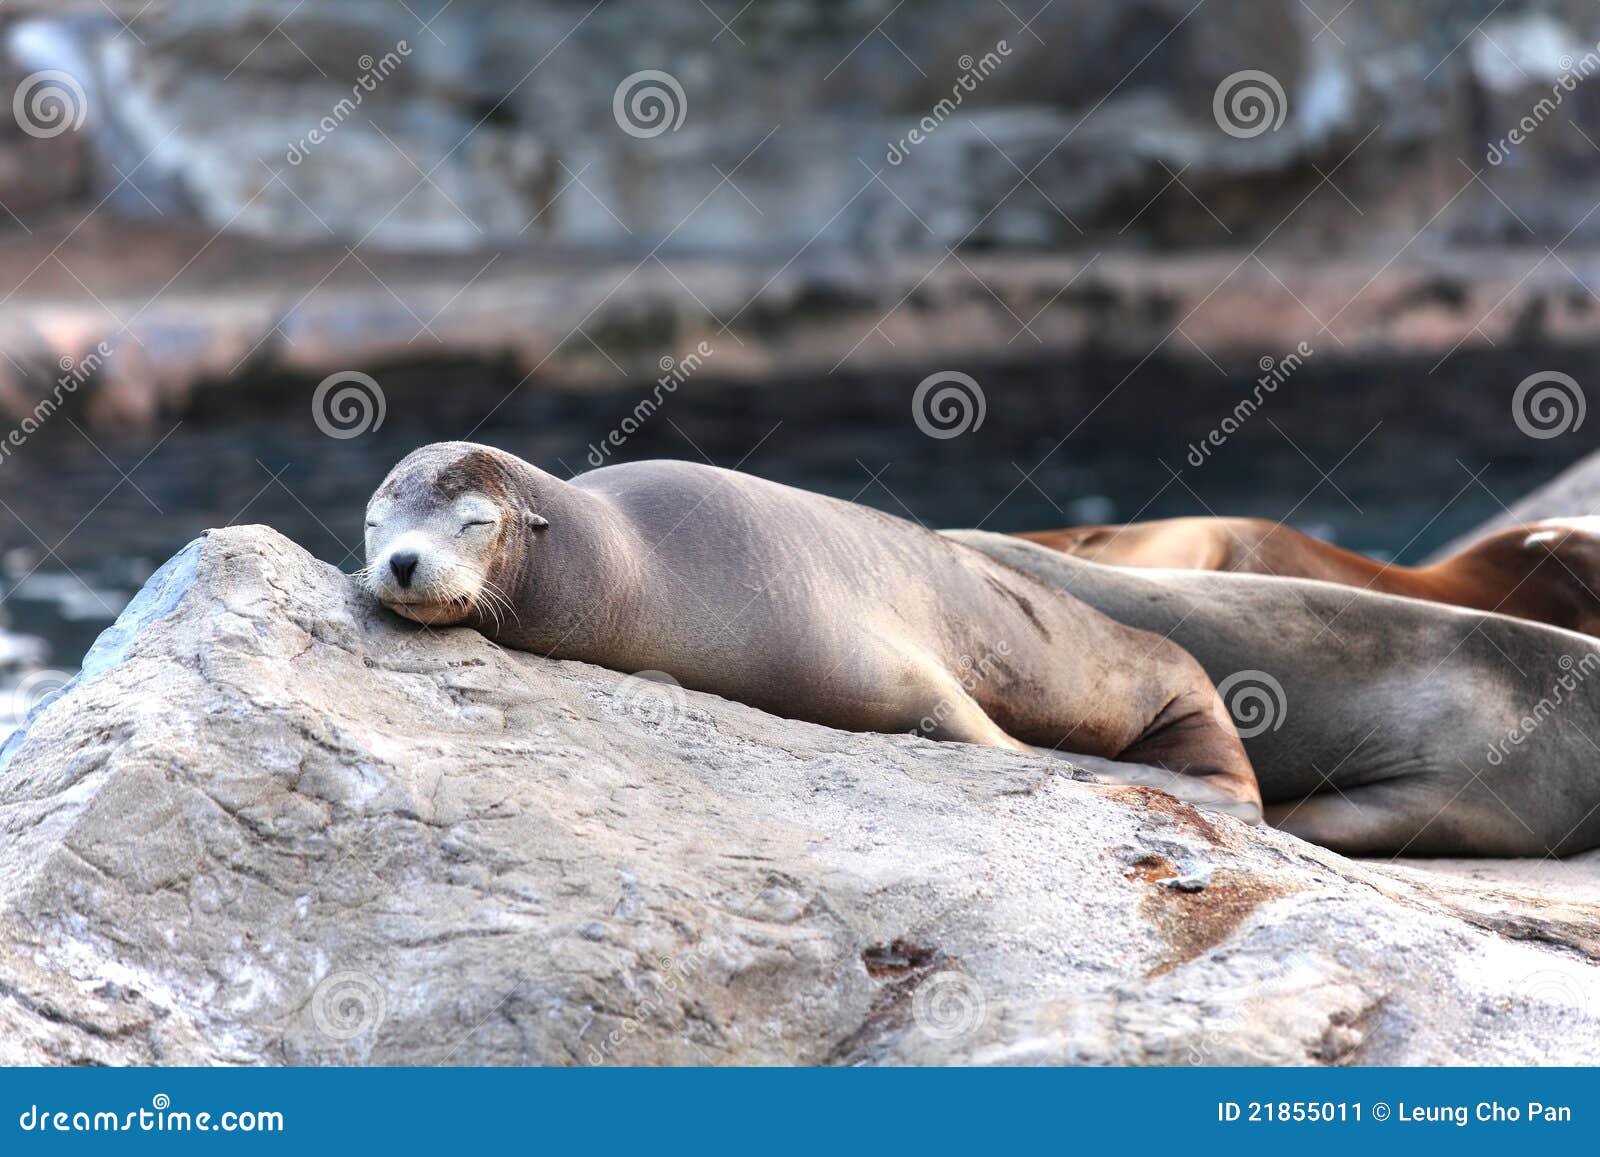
x: 478, y: 522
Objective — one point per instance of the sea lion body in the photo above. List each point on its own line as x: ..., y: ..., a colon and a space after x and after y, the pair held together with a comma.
x: 792, y: 602
x: 1547, y: 572
x: 1405, y: 727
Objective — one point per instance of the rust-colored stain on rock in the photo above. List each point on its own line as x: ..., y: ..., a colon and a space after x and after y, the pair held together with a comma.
x: 1194, y: 922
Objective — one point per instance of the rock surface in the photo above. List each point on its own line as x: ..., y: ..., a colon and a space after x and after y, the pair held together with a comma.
x: 271, y: 824
x: 1574, y: 493
x: 241, y: 311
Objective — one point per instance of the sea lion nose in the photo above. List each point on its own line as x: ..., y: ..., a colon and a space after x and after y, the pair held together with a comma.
x: 404, y: 564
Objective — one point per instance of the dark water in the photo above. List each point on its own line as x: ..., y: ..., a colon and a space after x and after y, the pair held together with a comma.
x: 1059, y: 444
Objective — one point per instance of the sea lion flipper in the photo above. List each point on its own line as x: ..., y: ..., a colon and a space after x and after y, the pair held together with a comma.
x: 1373, y: 819
x: 1190, y: 790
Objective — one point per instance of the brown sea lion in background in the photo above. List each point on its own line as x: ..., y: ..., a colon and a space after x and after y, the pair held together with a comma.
x: 1377, y: 725
x: 795, y: 603
x: 1546, y: 571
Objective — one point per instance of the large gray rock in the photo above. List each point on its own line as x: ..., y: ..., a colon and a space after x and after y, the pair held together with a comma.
x: 271, y: 824
x: 1574, y: 493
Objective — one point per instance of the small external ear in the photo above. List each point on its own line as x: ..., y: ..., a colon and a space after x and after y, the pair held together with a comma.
x: 535, y: 521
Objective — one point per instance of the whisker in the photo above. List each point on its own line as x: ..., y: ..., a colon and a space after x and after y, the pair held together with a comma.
x: 495, y: 603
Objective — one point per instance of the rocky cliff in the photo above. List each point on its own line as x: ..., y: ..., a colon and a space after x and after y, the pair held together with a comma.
x: 270, y: 823
x: 242, y: 188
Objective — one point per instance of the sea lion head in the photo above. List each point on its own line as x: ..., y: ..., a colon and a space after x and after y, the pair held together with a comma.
x: 1563, y: 555
x: 441, y: 530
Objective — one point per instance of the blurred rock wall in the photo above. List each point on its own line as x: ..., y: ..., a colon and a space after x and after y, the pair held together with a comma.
x: 491, y: 122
